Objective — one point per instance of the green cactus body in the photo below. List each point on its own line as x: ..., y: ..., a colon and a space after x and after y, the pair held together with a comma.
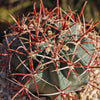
x: 50, y: 76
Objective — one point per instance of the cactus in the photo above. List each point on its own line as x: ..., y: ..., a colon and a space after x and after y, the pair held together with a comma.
x: 50, y: 53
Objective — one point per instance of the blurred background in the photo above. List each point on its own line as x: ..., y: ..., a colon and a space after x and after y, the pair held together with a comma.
x: 19, y: 7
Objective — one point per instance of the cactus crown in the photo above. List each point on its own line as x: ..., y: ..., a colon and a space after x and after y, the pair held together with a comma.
x: 49, y: 53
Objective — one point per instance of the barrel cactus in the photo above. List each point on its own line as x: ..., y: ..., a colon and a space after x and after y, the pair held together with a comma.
x: 49, y: 53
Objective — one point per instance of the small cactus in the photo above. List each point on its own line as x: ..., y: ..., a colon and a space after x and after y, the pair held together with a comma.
x: 50, y: 53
